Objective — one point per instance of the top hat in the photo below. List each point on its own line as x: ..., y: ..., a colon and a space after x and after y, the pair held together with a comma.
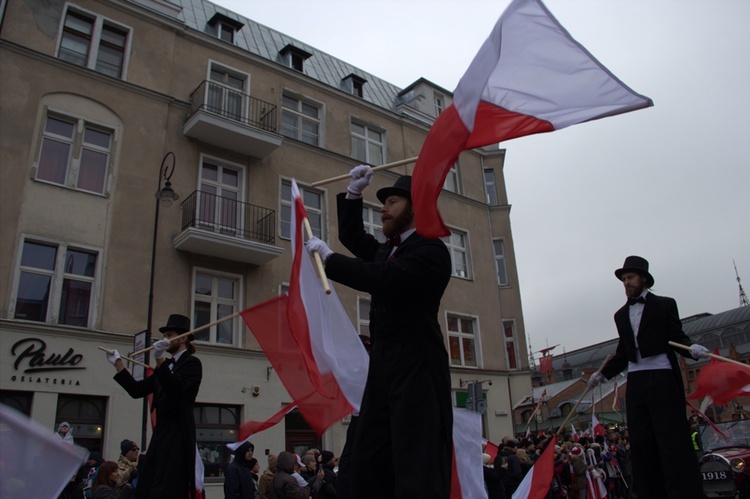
x: 178, y: 323
x: 402, y: 188
x: 638, y: 265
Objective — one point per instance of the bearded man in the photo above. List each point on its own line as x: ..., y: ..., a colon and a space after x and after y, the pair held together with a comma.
x: 406, y: 407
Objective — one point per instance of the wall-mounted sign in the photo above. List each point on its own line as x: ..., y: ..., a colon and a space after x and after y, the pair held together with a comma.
x: 32, y: 357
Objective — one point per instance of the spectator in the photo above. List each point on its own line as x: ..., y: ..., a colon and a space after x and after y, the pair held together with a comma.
x: 579, y: 472
x: 238, y: 480
x: 127, y: 463
x: 507, y: 459
x: 104, y: 485
x: 285, y: 486
x: 328, y: 491
x: 65, y: 432
x: 254, y: 466
x: 492, y: 483
x: 265, y: 480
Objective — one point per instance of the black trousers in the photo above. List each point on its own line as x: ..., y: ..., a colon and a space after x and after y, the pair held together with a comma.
x: 664, y: 462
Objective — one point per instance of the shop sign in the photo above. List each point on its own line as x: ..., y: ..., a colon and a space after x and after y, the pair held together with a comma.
x: 32, y: 359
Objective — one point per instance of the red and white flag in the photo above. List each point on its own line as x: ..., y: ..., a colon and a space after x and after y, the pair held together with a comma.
x: 530, y: 76
x: 536, y: 409
x: 597, y: 427
x: 490, y: 449
x: 575, y: 433
x: 537, y: 481
x: 310, y: 341
x: 467, y: 478
x: 722, y: 381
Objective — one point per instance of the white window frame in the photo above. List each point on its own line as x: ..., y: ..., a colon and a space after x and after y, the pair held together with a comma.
x: 215, y: 301
x: 500, y: 262
x: 213, y: 84
x: 457, y: 251
x: 463, y: 335
x: 58, y: 276
x: 76, y: 146
x: 285, y: 205
x: 217, y: 224
x: 439, y: 101
x: 301, y: 117
x: 371, y: 220
x: 365, y: 138
x: 513, y: 340
x: 96, y: 38
x: 452, y: 181
x: 363, y: 321
x: 490, y: 187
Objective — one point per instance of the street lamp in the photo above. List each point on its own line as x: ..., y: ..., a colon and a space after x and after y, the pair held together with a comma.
x: 164, y: 195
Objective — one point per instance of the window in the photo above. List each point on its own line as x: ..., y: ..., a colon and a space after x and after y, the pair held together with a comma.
x: 20, y: 401
x: 363, y: 316
x: 462, y: 341
x: 215, y: 427
x: 439, y: 102
x: 502, y: 272
x: 295, y: 57
x: 457, y: 246
x: 225, y: 93
x: 300, y: 120
x: 373, y: 223
x: 452, y: 181
x: 490, y: 188
x: 313, y: 201
x: 225, y: 32
x: 74, y: 153
x: 216, y: 297
x: 56, y: 284
x: 219, y: 198
x: 93, y: 42
x: 86, y: 416
x: 367, y: 144
x: 511, y: 352
x: 224, y: 27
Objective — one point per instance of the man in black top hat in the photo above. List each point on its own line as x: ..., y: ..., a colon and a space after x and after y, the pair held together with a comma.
x: 406, y: 408
x: 168, y: 468
x: 664, y: 463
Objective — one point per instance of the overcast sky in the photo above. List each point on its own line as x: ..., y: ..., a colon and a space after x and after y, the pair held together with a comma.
x: 670, y: 183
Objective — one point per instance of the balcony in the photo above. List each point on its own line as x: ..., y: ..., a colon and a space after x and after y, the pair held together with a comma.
x: 224, y: 117
x: 227, y: 228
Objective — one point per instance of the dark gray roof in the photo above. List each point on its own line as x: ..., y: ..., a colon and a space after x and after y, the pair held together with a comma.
x: 267, y: 43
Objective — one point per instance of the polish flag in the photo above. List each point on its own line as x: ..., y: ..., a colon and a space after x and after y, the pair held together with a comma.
x: 722, y: 381
x: 575, y: 433
x: 597, y: 427
x: 310, y: 341
x: 467, y: 477
x: 530, y: 76
x: 537, y: 481
x: 490, y: 449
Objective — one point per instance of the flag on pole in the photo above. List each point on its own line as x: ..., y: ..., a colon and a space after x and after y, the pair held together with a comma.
x: 530, y: 76
x: 467, y: 479
x: 722, y: 381
x: 310, y: 341
x: 491, y: 449
x: 33, y: 461
x: 538, y: 405
x: 576, y: 438
x: 545, y: 364
x: 537, y: 481
x: 250, y: 428
x: 596, y: 426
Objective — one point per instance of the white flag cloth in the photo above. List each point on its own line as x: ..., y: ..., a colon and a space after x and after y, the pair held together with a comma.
x: 33, y: 461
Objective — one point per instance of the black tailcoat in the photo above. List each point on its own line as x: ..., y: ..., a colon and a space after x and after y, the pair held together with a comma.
x: 406, y: 410
x: 169, y: 470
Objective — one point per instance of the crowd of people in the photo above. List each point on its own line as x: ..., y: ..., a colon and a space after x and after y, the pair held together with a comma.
x: 605, y: 459
x: 100, y: 479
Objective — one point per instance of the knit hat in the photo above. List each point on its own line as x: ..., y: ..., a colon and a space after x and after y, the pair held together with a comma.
x: 127, y: 445
x: 486, y: 459
x: 325, y: 456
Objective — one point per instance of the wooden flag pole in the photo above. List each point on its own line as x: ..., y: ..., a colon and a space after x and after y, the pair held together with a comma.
x: 193, y: 331
x: 318, y: 261
x: 712, y: 355
x: 387, y: 166
x: 122, y: 356
x: 583, y: 395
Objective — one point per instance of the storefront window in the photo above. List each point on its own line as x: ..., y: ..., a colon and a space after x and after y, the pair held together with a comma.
x: 86, y: 417
x: 215, y: 427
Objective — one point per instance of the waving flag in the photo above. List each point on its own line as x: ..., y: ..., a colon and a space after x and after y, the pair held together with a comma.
x: 467, y: 479
x: 530, y: 76
x: 722, y: 381
x: 596, y: 426
x: 537, y: 481
x: 576, y: 438
x: 310, y: 341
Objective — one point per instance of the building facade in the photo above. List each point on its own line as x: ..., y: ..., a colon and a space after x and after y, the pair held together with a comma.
x: 104, y: 100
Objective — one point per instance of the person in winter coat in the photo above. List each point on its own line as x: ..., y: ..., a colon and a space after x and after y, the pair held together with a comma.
x: 65, y: 432
x: 492, y: 483
x: 511, y: 475
x: 328, y: 491
x: 238, y: 479
x: 285, y: 486
x: 105, y: 482
x: 579, y: 471
x: 264, y: 482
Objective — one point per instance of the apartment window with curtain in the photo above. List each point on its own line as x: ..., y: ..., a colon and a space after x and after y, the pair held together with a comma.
x: 75, y: 153
x: 511, y: 345
x: 368, y: 143
x: 462, y: 340
x: 56, y: 283
x: 500, y: 268
x: 314, y: 205
x: 300, y: 120
x: 226, y: 93
x: 220, y: 198
x: 94, y: 42
x: 457, y: 244
x: 216, y: 296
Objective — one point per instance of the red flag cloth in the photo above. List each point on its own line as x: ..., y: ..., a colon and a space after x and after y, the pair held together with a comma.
x: 536, y: 483
x: 150, y: 397
x: 576, y: 438
x: 722, y: 381
x: 545, y: 364
x: 250, y: 428
x: 530, y: 76
x: 492, y: 450
x: 598, y: 428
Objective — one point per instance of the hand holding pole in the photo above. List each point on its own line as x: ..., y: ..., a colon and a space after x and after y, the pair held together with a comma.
x: 107, y: 350
x: 585, y: 392
x: 712, y: 355
x: 318, y: 261
x: 346, y: 176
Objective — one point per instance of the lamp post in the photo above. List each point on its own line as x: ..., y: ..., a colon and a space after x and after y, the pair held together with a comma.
x: 164, y: 194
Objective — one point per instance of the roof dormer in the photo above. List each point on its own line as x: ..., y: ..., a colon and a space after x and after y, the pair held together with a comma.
x: 295, y: 57
x: 355, y: 85
x: 224, y: 28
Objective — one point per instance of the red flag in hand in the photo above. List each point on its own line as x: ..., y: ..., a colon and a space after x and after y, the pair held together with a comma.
x: 722, y: 381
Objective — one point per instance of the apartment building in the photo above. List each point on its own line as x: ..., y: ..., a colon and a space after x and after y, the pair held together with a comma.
x: 104, y: 103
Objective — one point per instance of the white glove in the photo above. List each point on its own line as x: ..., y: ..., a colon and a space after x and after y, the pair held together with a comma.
x: 595, y: 379
x: 361, y: 177
x: 698, y: 351
x: 315, y: 244
x: 160, y: 347
x: 112, y: 357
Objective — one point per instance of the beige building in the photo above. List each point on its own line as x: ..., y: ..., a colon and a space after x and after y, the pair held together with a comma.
x: 96, y: 94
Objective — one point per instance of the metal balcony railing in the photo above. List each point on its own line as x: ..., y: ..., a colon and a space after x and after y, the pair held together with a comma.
x: 229, y: 217
x: 216, y: 98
